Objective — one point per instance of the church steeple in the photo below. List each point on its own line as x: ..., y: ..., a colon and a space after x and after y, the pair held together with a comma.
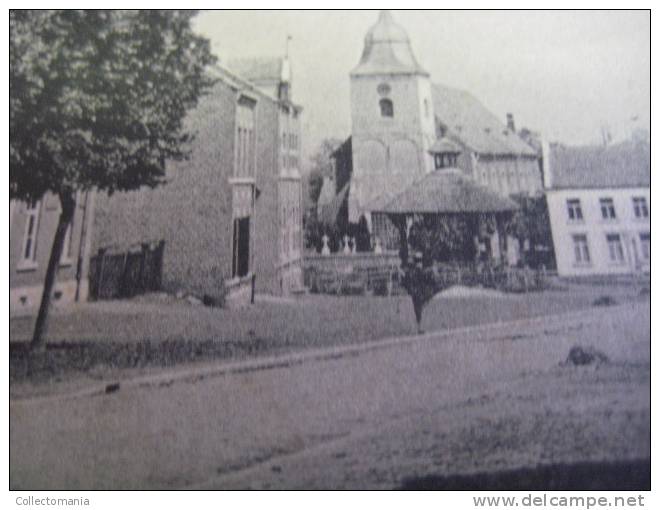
x: 387, y: 50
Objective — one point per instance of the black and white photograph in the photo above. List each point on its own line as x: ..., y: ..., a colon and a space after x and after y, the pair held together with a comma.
x: 338, y: 250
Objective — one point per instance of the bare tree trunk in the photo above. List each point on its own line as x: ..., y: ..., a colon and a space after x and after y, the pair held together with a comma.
x: 68, y: 204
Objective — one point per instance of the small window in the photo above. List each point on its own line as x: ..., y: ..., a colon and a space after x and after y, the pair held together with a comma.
x: 615, y: 248
x: 607, y: 209
x: 645, y: 242
x: 426, y: 108
x: 29, y: 253
x: 386, y: 108
x: 581, y: 249
x: 574, y: 209
x: 640, y: 207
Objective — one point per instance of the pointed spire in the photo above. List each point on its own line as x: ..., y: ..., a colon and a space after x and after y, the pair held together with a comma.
x: 385, y: 15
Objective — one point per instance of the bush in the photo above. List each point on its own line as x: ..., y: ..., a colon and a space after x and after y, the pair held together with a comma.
x: 604, y: 301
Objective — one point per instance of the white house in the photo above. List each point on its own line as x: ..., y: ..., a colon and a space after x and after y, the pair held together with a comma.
x: 599, y: 202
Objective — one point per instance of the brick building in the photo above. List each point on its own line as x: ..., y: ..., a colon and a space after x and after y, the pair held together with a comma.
x: 232, y: 211
x: 31, y: 232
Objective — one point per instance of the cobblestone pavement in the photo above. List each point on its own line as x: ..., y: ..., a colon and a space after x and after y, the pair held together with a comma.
x: 470, y: 402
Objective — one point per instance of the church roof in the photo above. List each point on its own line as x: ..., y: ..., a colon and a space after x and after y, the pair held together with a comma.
x: 625, y: 164
x: 447, y: 191
x: 387, y: 50
x: 470, y: 122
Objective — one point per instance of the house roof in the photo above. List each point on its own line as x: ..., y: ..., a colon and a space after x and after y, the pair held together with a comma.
x: 444, y: 145
x: 447, y: 191
x: 470, y: 122
x: 625, y: 164
x: 387, y: 50
x: 240, y: 82
x: 258, y: 70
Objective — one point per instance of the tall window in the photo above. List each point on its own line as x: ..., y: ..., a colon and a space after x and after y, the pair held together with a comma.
x: 29, y: 253
x: 386, y: 108
x: 245, y: 139
x: 240, y: 264
x: 640, y: 207
x: 574, y: 209
x: 645, y: 242
x: 607, y: 209
x: 67, y: 248
x: 426, y: 108
x: 581, y: 249
x: 615, y: 248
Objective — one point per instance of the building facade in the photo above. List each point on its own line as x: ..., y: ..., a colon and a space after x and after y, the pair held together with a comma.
x: 32, y: 230
x: 492, y: 152
x: 392, y: 121
x: 599, y: 205
x: 397, y: 115
x: 230, y: 215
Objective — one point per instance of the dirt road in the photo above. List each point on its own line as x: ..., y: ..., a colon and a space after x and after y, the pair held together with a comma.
x: 443, y: 405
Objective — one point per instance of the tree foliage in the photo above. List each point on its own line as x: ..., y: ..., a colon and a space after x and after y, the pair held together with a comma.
x: 531, y: 223
x: 448, y: 238
x: 320, y: 167
x: 97, y: 98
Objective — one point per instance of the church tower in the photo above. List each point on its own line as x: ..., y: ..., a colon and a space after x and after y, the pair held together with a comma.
x: 392, y: 119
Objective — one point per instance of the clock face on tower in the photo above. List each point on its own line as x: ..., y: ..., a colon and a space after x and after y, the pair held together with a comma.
x: 384, y: 89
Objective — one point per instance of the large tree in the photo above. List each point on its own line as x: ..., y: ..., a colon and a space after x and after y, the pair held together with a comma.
x: 320, y: 167
x: 530, y: 225
x: 97, y: 100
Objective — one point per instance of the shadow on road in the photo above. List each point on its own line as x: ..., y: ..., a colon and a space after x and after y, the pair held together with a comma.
x: 620, y: 476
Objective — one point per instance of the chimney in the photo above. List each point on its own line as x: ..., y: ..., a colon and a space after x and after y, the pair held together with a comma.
x: 510, y: 124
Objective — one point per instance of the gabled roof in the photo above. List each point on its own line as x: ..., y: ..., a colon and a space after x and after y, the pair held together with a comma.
x: 625, y: 164
x: 447, y: 191
x: 468, y: 121
x: 258, y: 70
x: 240, y: 82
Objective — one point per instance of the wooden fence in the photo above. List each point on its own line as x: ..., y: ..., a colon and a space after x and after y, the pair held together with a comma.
x: 126, y: 273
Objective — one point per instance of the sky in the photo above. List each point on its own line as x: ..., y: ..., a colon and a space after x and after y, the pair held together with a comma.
x: 562, y: 73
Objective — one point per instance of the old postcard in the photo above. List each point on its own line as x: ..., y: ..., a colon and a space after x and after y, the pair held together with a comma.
x: 330, y: 250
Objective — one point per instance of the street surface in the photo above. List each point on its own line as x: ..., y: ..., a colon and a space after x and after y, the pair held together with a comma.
x: 473, y: 401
